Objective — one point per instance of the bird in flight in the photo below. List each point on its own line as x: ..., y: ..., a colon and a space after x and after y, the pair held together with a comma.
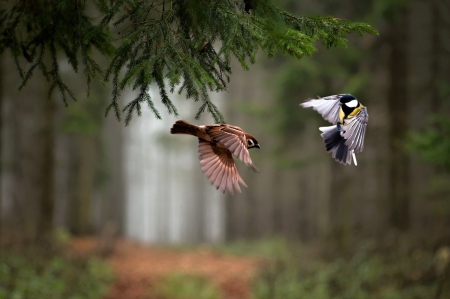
x: 216, y: 144
x: 349, y: 118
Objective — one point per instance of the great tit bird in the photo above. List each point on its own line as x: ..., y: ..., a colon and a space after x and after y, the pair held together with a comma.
x: 349, y: 118
x: 216, y: 144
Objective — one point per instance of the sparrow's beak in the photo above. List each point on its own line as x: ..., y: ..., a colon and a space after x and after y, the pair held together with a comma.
x: 257, y: 145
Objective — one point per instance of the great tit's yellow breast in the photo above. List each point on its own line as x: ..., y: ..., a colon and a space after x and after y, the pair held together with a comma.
x: 355, y: 111
x: 341, y: 115
x: 351, y: 114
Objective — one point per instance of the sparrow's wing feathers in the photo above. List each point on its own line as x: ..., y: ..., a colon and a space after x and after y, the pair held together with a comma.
x: 218, y: 166
x: 233, y: 138
x: 355, y: 130
x: 230, y: 182
x: 328, y: 107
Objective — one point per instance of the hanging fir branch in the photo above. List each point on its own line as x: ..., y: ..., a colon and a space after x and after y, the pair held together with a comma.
x: 179, y: 45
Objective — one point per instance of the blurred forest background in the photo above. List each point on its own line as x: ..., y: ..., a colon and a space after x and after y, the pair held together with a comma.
x: 378, y: 230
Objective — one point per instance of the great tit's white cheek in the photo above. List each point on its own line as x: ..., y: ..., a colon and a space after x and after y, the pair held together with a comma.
x: 352, y: 103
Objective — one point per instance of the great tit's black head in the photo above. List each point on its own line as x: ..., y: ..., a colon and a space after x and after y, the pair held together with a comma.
x: 252, y: 142
x: 347, y: 98
x: 349, y: 101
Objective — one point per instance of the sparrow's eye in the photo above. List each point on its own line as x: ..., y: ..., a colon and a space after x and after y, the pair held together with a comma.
x: 250, y: 142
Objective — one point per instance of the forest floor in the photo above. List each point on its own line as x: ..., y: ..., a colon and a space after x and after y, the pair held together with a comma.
x: 139, y: 268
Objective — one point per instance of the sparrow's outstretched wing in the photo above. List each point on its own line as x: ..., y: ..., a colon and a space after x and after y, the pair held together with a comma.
x: 328, y: 107
x: 355, y: 130
x: 219, y: 167
x: 233, y: 138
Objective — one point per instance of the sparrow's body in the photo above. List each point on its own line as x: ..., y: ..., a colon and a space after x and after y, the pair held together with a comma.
x: 349, y: 118
x: 216, y: 145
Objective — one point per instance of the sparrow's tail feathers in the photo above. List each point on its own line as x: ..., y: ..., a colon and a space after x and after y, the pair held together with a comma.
x: 335, y: 144
x: 183, y: 127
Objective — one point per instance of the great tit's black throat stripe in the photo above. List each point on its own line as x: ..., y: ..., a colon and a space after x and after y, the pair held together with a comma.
x: 348, y: 110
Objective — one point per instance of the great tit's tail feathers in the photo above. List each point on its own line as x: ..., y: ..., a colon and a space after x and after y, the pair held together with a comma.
x: 335, y: 144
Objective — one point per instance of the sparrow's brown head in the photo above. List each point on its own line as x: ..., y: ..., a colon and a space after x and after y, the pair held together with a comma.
x: 251, y: 141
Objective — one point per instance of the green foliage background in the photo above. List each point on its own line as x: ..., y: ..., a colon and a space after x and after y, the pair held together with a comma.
x: 41, y: 275
x: 400, y: 270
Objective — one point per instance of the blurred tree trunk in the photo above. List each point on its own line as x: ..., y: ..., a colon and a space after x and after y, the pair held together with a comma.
x: 91, y: 207
x: 1, y: 149
x: 340, y: 211
x: 113, y: 204
x: 198, y: 212
x: 440, y: 76
x: 47, y: 200
x: 398, y: 114
x: 31, y: 160
x: 87, y: 166
x: 436, y: 50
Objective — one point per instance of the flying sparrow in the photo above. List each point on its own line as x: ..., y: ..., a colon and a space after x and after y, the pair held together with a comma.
x: 216, y: 143
x: 349, y: 118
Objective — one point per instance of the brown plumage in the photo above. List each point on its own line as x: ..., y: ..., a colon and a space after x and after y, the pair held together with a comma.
x: 216, y: 145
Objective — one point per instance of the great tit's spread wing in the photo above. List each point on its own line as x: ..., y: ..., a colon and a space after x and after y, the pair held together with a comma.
x: 328, y: 107
x: 355, y: 130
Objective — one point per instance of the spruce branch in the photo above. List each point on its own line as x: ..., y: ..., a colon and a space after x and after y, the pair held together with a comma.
x: 183, y: 46
x: 115, y: 99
